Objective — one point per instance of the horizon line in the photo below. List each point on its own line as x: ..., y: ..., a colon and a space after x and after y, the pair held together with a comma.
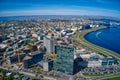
x: 59, y: 15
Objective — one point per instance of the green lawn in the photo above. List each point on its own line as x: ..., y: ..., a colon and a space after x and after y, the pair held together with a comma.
x: 36, y: 68
x: 114, y: 78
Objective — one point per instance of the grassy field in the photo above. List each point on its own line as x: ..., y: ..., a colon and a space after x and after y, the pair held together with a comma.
x: 36, y: 68
x: 114, y: 78
x: 79, y: 39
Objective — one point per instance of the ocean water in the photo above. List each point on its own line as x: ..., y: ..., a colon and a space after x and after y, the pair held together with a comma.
x: 108, y: 38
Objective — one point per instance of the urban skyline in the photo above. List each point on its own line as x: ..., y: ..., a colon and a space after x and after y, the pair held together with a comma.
x: 59, y: 40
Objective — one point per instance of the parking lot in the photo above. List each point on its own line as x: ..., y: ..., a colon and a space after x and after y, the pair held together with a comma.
x: 102, y: 70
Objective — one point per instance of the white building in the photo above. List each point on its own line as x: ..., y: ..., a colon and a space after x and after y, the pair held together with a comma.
x: 94, y: 63
x: 49, y: 44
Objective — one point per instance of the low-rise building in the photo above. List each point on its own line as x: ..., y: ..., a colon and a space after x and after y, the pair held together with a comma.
x: 107, y: 61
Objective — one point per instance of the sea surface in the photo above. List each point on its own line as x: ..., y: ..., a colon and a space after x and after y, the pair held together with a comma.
x: 108, y: 38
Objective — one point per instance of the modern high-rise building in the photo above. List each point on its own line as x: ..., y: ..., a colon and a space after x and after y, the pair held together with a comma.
x: 65, y: 59
x: 49, y: 45
x: 47, y: 65
x: 32, y: 59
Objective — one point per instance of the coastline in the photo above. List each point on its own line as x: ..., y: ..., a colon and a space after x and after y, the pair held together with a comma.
x: 107, y: 38
x: 81, y: 40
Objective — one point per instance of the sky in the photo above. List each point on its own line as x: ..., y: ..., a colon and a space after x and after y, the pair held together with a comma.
x: 60, y: 7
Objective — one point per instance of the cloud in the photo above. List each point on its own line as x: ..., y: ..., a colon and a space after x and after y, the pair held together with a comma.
x: 76, y: 10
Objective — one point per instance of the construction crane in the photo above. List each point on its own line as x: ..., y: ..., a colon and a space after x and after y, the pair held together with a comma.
x: 18, y: 59
x: 18, y: 55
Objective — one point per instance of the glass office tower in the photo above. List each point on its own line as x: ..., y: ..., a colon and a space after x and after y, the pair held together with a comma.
x: 65, y: 59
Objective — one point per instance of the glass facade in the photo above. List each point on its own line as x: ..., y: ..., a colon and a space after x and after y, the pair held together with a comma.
x: 34, y: 60
x: 65, y: 59
x: 14, y: 59
x: 50, y: 63
x: 109, y: 61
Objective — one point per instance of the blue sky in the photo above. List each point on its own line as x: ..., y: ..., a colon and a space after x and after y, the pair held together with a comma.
x: 60, y: 7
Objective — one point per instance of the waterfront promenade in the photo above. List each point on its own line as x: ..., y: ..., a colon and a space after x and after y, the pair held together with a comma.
x: 79, y: 39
